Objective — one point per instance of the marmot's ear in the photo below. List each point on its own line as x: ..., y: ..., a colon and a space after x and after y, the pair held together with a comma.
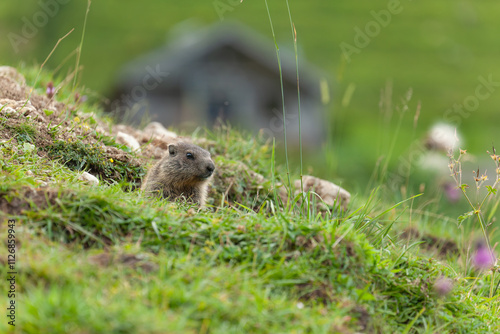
x: 172, y: 149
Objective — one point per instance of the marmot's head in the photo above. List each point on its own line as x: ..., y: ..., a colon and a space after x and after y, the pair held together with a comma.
x: 189, y: 163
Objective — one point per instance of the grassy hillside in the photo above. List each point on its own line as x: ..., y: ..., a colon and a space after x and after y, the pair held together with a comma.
x: 105, y: 259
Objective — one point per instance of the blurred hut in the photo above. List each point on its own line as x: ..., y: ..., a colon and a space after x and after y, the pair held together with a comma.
x: 225, y: 72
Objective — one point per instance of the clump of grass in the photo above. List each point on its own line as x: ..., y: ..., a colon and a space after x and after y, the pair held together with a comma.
x: 24, y: 132
x: 92, y: 158
x: 111, y: 141
x: 235, y: 183
x: 251, y: 150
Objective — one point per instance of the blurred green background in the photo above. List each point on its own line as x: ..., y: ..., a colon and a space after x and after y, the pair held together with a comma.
x: 436, y: 48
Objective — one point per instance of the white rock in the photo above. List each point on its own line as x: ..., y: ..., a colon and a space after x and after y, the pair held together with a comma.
x: 8, y: 110
x: 155, y: 129
x: 89, y: 178
x: 443, y: 137
x: 15, y: 106
x: 28, y: 148
x: 130, y: 141
x: 329, y: 192
x: 128, y: 130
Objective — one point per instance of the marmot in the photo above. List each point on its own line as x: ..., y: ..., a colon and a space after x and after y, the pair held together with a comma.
x: 184, y: 171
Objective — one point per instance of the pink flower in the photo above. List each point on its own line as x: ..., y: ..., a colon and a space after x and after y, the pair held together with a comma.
x: 50, y: 90
x: 452, y: 192
x: 483, y: 258
x: 79, y: 98
x: 443, y: 286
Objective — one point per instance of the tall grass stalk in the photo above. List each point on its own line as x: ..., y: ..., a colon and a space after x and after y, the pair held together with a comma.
x: 380, y: 172
x: 403, y: 110
x: 273, y: 171
x: 43, y: 64
x: 294, y: 37
x: 282, y: 101
x: 79, y: 52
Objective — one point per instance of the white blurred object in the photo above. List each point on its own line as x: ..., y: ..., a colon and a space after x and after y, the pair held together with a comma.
x: 330, y: 193
x: 443, y: 137
x: 155, y: 129
x: 128, y: 140
x: 89, y: 178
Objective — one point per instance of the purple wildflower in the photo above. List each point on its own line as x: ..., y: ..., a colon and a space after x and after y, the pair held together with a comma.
x: 483, y: 258
x: 50, y: 90
x: 443, y: 286
x: 80, y: 98
x: 452, y: 192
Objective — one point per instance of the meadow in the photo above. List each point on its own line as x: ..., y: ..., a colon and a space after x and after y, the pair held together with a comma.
x: 106, y: 259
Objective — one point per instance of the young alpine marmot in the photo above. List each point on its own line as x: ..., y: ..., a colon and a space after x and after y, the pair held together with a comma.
x: 184, y: 171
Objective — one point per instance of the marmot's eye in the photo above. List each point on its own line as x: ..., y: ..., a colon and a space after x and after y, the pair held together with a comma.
x: 190, y: 155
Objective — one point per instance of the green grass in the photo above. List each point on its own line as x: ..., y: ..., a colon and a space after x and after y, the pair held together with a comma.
x: 24, y: 132
x: 99, y: 259
x: 92, y: 158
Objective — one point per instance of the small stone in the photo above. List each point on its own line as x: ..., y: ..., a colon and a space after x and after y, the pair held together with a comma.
x: 13, y: 106
x: 8, y: 110
x: 128, y: 140
x: 330, y: 193
x: 89, y: 178
x: 28, y: 148
x: 29, y: 173
x: 442, y: 137
x: 155, y: 129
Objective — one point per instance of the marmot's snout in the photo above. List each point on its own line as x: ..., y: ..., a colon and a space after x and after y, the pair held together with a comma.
x: 209, y: 170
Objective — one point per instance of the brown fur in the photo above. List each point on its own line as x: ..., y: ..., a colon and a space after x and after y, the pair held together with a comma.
x: 184, y: 171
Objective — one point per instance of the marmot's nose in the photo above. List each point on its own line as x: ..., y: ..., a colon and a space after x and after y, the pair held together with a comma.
x: 210, y: 168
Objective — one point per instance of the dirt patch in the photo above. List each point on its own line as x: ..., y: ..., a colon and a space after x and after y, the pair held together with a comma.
x: 442, y: 247
x: 362, y: 316
x: 324, y: 293
x: 310, y: 243
x: 316, y: 291
x: 130, y: 260
x: 26, y: 199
